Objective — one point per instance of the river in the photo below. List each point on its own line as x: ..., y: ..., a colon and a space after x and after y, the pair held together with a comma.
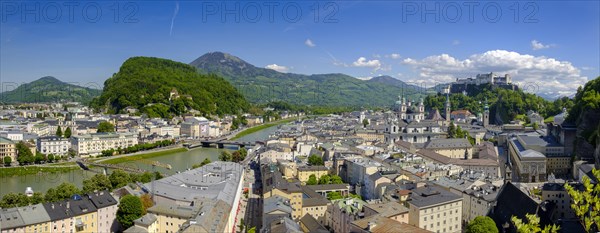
x: 179, y: 161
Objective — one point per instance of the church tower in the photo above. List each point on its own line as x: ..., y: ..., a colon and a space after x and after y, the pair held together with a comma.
x: 421, y: 115
x: 447, y: 107
x: 402, y: 109
x: 486, y: 114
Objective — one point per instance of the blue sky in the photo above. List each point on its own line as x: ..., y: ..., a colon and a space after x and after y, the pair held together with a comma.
x: 552, y: 47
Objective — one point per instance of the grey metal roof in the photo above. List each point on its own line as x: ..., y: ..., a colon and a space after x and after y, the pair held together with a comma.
x: 448, y: 143
x: 33, y: 214
x: 10, y: 218
x: 184, y: 212
x: 146, y: 220
x: 276, y: 202
x: 6, y: 140
x: 388, y: 209
x: 431, y: 195
x: 538, y: 141
x: 312, y: 225
x: 322, y: 187
x: 217, y: 180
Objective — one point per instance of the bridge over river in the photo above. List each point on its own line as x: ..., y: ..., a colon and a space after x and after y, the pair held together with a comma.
x: 85, y: 165
x: 221, y: 143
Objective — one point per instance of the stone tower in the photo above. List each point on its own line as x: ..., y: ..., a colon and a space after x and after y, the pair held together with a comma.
x: 486, y: 114
x: 447, y: 107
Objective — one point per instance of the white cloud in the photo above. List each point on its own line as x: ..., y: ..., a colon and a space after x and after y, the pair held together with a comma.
x: 542, y: 75
x: 536, y: 45
x: 394, y: 56
x: 364, y: 78
x: 309, y: 43
x: 277, y: 68
x: 363, y: 62
x: 173, y: 18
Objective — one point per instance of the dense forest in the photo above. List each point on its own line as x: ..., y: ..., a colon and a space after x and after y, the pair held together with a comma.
x: 505, y: 105
x: 146, y: 83
x: 586, y: 111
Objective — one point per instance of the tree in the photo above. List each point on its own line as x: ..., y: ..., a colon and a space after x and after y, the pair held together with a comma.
x: 225, y: 156
x: 335, y: 179
x: 158, y: 176
x: 36, y: 198
x: 59, y: 132
x: 147, y: 202
x: 67, y: 133
x: 105, y: 127
x: 312, y: 180
x: 39, y: 157
x: 51, y: 195
x: 236, y: 157
x: 24, y: 154
x: 119, y: 179
x: 334, y: 196
x: 97, y: 182
x: 356, y: 196
x: 7, y: 160
x: 66, y: 190
x: 242, y: 225
x: 325, y: 179
x: 130, y: 208
x: 451, y: 130
x: 315, y: 160
x: 586, y: 203
x: 14, y: 200
x: 365, y: 122
x: 63, y: 191
x: 482, y: 224
x: 204, y: 162
x: 243, y: 152
x: 72, y: 153
x: 535, y: 126
x: 146, y: 177
x: 532, y: 225
x: 50, y: 158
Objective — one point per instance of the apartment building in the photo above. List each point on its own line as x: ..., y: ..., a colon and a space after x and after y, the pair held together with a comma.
x: 8, y: 148
x: 94, y: 144
x: 435, y: 209
x: 53, y: 145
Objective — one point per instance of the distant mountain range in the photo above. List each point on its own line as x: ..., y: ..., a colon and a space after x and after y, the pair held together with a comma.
x: 261, y: 85
x: 49, y: 89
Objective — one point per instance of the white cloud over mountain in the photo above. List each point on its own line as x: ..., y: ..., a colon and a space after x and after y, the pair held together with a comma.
x: 275, y: 67
x: 363, y: 62
x: 541, y: 75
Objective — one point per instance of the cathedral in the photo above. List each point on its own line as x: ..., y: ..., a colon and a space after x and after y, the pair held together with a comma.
x: 409, y: 112
x: 408, y: 123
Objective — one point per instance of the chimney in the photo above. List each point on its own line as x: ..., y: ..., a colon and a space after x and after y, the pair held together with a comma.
x: 68, y: 205
x: 371, y: 226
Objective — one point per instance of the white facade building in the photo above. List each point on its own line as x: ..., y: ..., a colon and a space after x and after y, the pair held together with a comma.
x: 53, y: 145
x: 93, y: 144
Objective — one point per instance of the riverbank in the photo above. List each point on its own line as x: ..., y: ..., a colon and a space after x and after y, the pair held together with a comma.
x: 261, y: 127
x: 135, y: 157
x: 32, y: 170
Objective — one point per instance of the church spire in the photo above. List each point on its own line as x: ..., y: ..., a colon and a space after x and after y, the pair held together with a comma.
x: 447, y: 107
